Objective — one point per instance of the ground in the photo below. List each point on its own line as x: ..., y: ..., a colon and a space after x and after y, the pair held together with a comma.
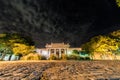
x: 59, y: 70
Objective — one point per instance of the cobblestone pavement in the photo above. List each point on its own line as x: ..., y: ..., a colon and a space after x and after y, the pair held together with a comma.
x: 60, y: 70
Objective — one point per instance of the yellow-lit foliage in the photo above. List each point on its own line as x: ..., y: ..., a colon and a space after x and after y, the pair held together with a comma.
x: 116, y: 33
x: 64, y: 57
x: 106, y: 44
x: 2, y: 35
x: 118, y: 2
x: 104, y: 48
x: 101, y: 44
x: 116, y: 36
x: 22, y: 49
x: 31, y: 56
x: 53, y: 57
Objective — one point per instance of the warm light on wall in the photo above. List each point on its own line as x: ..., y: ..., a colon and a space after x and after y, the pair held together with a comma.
x: 69, y: 52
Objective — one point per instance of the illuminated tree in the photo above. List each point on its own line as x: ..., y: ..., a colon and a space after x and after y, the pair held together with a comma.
x: 101, y: 44
x: 17, y: 43
x: 91, y: 45
x: 118, y: 2
x: 9, y: 39
x: 116, y: 36
x: 22, y: 49
x: 106, y: 44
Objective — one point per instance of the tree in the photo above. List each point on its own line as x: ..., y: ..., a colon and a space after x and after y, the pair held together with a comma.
x: 22, y: 49
x: 101, y: 45
x: 90, y: 46
x: 9, y: 39
x: 118, y: 2
x: 116, y: 36
x: 75, y: 52
x: 106, y: 44
x: 18, y: 44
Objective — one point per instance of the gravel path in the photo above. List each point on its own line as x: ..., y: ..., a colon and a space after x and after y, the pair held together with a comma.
x: 60, y: 70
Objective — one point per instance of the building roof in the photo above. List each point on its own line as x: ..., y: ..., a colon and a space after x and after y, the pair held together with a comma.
x: 79, y: 49
x: 57, y: 45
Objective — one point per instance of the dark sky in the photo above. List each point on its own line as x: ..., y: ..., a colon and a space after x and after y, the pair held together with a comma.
x: 69, y: 21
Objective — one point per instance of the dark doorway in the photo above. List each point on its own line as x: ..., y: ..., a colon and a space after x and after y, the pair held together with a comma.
x: 57, y: 53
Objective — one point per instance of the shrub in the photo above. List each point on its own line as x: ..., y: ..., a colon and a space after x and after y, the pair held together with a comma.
x: 74, y: 57
x: 82, y: 58
x: 41, y: 57
x: 33, y: 56
x: 64, y: 57
x: 87, y: 58
x: 53, y: 57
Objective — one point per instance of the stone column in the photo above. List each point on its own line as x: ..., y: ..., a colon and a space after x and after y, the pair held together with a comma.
x: 48, y: 52
x: 59, y: 53
x: 66, y: 51
x: 55, y: 52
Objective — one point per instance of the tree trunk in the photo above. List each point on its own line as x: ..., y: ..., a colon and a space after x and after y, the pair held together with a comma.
x: 10, y: 57
x: 3, y: 55
x: 19, y: 57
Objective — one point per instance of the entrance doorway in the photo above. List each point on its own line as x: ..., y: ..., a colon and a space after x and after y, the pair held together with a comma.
x: 57, y: 53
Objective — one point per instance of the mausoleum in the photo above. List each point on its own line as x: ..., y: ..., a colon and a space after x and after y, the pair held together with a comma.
x: 56, y: 49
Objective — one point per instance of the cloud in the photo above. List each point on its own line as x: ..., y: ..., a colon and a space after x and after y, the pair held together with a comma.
x: 45, y: 21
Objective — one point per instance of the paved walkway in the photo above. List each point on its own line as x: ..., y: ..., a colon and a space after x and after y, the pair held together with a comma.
x: 60, y: 70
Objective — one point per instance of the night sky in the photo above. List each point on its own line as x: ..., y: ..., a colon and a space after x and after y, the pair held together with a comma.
x: 69, y: 21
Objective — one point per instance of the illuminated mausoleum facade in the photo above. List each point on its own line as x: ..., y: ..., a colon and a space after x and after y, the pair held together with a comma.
x: 56, y: 49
